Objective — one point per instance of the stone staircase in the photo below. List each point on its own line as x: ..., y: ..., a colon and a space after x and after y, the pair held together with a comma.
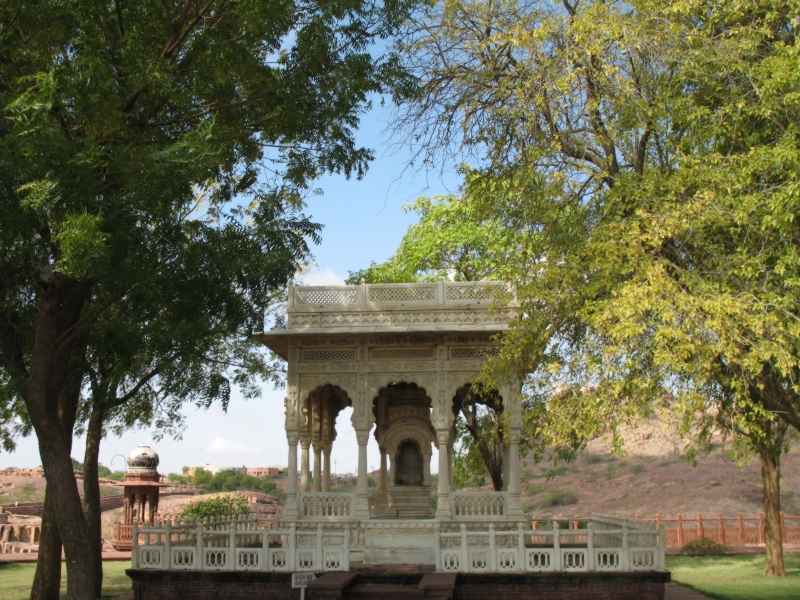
x: 382, y: 586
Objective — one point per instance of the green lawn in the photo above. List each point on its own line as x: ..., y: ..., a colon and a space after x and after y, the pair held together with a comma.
x: 720, y: 577
x: 16, y: 579
x: 736, y: 577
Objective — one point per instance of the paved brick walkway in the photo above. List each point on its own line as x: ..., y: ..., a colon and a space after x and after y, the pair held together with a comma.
x: 32, y: 557
x: 678, y: 592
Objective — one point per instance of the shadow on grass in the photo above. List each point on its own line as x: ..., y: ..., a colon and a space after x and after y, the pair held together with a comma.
x: 16, y: 580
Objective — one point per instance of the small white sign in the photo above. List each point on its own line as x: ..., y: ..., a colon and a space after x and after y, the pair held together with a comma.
x: 301, y: 580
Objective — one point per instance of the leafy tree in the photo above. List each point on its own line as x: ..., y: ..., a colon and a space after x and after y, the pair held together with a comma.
x: 452, y: 240
x: 446, y: 242
x: 201, y: 476
x: 133, y: 136
x: 231, y: 481
x: 653, y: 146
x: 222, y: 506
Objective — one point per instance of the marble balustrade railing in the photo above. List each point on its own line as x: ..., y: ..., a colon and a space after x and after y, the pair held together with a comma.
x: 597, y: 548
x: 253, y: 544
x: 405, y: 294
x: 239, y: 544
x: 471, y: 505
x: 333, y: 505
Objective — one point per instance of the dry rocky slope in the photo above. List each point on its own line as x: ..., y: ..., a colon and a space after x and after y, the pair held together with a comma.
x: 653, y: 478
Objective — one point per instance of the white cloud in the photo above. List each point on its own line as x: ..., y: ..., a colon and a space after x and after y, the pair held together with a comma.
x: 222, y: 446
x: 324, y: 276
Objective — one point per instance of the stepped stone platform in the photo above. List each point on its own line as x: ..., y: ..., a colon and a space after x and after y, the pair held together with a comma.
x: 399, y: 582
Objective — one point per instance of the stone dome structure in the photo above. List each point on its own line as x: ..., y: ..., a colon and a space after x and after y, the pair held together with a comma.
x: 143, y: 459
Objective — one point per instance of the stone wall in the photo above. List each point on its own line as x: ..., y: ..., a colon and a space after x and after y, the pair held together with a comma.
x: 34, y: 509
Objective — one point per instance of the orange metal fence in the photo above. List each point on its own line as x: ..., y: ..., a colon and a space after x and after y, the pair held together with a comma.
x: 731, y: 531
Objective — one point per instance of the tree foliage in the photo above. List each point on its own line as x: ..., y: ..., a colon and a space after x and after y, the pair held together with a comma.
x: 231, y: 481
x: 653, y: 148
x: 153, y: 161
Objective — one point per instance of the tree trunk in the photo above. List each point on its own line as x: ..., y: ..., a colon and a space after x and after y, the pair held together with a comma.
x: 58, y: 311
x: 492, y: 459
x: 72, y: 527
x: 91, y: 490
x: 771, y: 479
x: 47, y: 580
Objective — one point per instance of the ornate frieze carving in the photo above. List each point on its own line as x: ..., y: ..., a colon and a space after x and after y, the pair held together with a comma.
x: 400, y: 318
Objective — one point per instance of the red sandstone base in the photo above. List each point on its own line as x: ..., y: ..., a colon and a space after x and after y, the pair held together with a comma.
x: 392, y: 583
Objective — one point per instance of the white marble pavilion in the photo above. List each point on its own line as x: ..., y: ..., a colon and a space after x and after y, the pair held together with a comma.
x: 403, y: 356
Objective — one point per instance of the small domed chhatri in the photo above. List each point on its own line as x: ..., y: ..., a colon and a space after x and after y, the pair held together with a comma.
x: 141, y: 487
x: 143, y: 459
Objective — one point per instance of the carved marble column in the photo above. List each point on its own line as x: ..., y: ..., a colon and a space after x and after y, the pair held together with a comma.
x: 290, y: 510
x: 513, y: 476
x: 317, y: 467
x: 512, y: 401
x: 326, y: 468
x: 362, y: 502
x: 506, y: 466
x: 443, y: 503
x: 305, y: 472
x: 383, y: 485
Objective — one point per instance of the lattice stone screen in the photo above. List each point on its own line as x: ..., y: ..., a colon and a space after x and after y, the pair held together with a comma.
x: 467, y: 353
x: 476, y: 292
x: 323, y: 355
x: 402, y: 294
x: 326, y: 505
x: 311, y: 297
x: 402, y: 353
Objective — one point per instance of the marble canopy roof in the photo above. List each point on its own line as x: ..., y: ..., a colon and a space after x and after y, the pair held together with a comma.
x: 401, y: 308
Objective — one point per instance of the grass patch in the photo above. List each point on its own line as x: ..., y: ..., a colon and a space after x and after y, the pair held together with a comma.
x: 556, y: 498
x: 594, y: 459
x: 532, y: 489
x: 638, y: 469
x: 26, y: 493
x: 560, y: 471
x: 736, y: 577
x: 16, y: 580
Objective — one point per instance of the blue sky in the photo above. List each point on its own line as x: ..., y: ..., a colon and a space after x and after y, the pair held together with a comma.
x: 363, y: 221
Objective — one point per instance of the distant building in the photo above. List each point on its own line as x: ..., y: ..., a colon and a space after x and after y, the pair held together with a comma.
x: 263, y: 471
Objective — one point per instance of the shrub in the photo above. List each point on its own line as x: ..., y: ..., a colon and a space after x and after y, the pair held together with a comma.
x: 222, y: 506
x: 201, y: 476
x: 532, y: 489
x: 559, y: 471
x: 704, y: 547
x: 231, y: 481
x: 556, y: 498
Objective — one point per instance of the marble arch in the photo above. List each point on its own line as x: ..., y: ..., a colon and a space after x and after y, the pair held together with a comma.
x: 320, y: 408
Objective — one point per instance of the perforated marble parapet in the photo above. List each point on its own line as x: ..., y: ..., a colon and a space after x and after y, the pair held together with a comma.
x: 462, y: 353
x: 402, y: 294
x: 325, y: 297
x: 403, y: 353
x: 325, y: 355
x: 476, y: 292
